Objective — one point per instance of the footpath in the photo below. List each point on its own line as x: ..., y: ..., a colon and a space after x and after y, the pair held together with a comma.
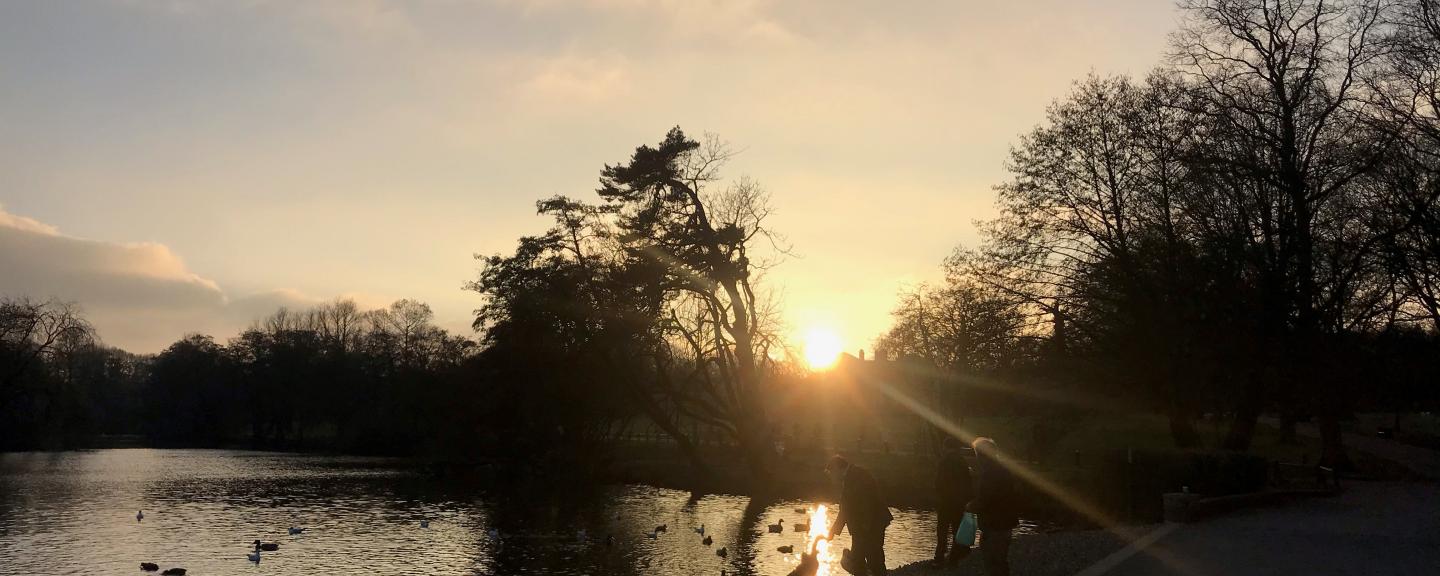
x: 1390, y: 528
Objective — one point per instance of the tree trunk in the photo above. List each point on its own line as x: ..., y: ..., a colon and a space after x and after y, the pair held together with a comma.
x: 759, y: 452
x: 1242, y: 430
x: 1332, y: 448
x: 1287, y: 425
x: 686, y: 445
x: 1182, y: 426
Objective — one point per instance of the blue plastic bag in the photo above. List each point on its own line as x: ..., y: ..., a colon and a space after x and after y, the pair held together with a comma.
x: 965, y: 535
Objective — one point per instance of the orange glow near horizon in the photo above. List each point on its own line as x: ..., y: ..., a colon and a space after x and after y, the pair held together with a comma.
x: 822, y: 348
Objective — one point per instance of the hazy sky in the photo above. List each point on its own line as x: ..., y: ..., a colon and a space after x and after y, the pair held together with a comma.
x: 188, y: 165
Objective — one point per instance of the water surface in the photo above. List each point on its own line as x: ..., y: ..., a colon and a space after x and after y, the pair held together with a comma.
x: 74, y: 513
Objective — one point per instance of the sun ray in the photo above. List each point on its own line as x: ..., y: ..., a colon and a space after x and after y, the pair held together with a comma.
x: 1026, y: 474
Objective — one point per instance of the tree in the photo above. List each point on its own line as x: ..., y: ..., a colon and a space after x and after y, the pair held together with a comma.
x: 697, y: 238
x: 657, y: 287
x: 30, y: 333
x: 960, y: 326
x: 1095, y: 233
x: 190, y: 395
x: 1410, y: 106
x: 1284, y: 83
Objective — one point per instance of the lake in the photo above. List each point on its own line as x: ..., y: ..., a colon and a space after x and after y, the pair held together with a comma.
x: 74, y: 513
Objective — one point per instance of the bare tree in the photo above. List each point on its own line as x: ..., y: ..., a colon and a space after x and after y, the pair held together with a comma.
x: 31, y: 332
x: 681, y: 221
x: 1284, y: 81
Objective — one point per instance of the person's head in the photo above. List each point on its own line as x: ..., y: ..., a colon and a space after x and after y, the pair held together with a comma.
x: 837, y: 467
x: 985, y: 447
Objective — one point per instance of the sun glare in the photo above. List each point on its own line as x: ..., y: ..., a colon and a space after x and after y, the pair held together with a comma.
x: 822, y: 348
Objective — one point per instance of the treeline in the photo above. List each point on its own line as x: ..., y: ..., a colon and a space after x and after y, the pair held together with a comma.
x: 333, y: 376
x: 1252, y: 227
x: 646, y: 304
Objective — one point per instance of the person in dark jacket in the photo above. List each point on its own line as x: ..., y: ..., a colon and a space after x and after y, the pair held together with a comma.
x: 864, y: 511
x: 994, y: 506
x: 953, y: 490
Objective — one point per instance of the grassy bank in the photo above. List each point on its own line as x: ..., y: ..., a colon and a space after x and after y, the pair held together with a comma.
x: 1084, y: 457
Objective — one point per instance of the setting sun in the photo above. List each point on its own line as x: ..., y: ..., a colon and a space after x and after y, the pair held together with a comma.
x: 822, y: 348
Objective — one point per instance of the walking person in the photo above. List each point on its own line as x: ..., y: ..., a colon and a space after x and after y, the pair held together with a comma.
x: 864, y: 511
x: 994, y: 506
x: 953, y: 490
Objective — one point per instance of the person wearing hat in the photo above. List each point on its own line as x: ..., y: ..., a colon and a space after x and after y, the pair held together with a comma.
x: 864, y: 511
x: 995, y: 506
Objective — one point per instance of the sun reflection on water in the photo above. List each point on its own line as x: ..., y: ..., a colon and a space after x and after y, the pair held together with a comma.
x: 819, y: 529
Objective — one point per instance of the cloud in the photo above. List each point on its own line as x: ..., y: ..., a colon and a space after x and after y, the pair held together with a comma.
x: 140, y: 296
x: 576, y: 79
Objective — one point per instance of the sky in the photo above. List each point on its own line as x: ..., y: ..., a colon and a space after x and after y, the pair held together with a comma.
x: 188, y: 166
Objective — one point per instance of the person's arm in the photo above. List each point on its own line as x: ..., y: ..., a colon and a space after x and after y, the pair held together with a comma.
x: 846, y: 503
x: 965, y: 482
x: 983, y: 483
x: 940, y: 477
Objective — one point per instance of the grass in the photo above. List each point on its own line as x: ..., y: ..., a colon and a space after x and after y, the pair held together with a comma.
x: 1422, y: 429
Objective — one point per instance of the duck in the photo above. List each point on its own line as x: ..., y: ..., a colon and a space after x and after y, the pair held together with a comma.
x: 139, y: 515
x: 778, y: 527
x: 494, y: 533
x: 294, y: 530
x: 173, y: 572
x: 425, y: 523
x: 266, y: 546
x: 800, y: 527
x: 708, y: 541
x: 786, y: 549
x: 651, y: 534
x: 809, y: 565
x: 700, y: 530
x: 149, y: 566
x: 661, y: 528
x: 722, y: 552
x: 254, y: 556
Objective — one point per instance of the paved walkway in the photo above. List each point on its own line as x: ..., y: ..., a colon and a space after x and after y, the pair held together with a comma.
x: 1424, y: 462
x: 1389, y: 528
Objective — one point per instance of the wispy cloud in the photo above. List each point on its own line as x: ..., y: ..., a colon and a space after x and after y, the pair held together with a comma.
x: 141, y: 295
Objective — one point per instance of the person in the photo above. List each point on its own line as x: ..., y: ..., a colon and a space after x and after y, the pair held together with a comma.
x: 864, y: 511
x: 953, y: 490
x: 994, y: 506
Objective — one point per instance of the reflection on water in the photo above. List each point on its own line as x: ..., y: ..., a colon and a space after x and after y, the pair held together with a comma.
x: 74, y: 513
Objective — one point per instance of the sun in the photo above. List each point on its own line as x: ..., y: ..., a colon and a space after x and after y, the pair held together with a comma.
x: 822, y: 348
